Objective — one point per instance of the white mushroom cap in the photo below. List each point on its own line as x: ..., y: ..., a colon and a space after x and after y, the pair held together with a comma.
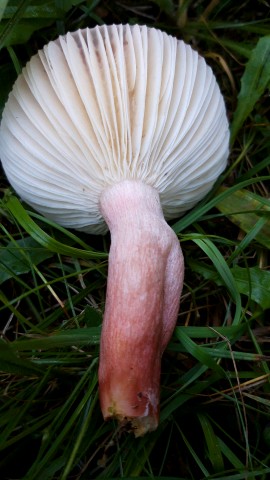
x: 102, y: 105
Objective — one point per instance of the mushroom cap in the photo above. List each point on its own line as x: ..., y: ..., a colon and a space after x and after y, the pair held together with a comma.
x: 102, y: 105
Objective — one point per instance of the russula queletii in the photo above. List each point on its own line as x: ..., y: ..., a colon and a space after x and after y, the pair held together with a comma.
x: 118, y: 127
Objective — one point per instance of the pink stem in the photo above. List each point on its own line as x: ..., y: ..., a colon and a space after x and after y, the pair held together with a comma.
x: 145, y: 279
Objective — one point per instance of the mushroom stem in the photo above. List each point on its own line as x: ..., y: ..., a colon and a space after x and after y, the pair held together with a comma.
x: 145, y: 279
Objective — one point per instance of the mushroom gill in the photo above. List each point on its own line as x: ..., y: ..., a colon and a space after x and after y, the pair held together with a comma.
x: 118, y: 127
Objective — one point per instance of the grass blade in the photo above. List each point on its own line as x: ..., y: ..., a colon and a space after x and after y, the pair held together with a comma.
x: 253, y: 83
x: 31, y: 227
x: 223, y: 270
x: 245, y: 209
x: 198, y: 352
x: 11, y: 363
x: 212, y: 443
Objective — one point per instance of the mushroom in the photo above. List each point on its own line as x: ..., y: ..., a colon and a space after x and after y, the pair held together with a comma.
x: 118, y: 127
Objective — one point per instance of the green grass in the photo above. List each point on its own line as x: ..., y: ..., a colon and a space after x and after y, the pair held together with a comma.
x: 215, y: 392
